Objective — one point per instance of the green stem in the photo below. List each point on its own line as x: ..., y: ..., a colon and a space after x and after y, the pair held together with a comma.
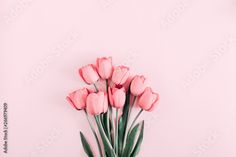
x: 129, y: 113
x: 107, y: 85
x: 106, y: 142
x: 95, y: 135
x: 135, y: 119
x: 112, y: 126
x: 131, y: 107
x: 116, y: 134
x: 110, y: 118
x: 96, y: 88
x: 107, y: 115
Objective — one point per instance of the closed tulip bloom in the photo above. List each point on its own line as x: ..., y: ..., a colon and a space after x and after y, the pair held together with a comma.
x: 96, y: 103
x: 126, y: 85
x: 117, y: 97
x: 78, y: 98
x: 148, y: 100
x: 104, y: 66
x: 138, y: 85
x: 89, y: 74
x: 120, y: 75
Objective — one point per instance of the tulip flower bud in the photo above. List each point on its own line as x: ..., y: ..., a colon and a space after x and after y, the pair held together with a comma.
x: 120, y: 75
x: 78, y: 98
x: 126, y: 85
x: 117, y: 97
x: 89, y: 74
x: 104, y: 66
x: 138, y: 85
x: 96, y: 103
x: 148, y: 100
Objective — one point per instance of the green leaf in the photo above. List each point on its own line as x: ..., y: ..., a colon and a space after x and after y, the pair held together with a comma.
x: 123, y: 122
x: 107, y: 145
x: 86, y: 146
x: 130, y: 141
x: 139, y: 142
x: 104, y: 122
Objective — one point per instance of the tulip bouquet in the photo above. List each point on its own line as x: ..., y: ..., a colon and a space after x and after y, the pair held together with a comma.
x: 108, y: 106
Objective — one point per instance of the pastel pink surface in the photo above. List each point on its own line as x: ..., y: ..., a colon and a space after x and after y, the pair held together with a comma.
x: 185, y: 48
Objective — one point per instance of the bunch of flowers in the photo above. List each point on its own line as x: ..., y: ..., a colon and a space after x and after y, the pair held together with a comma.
x: 120, y: 135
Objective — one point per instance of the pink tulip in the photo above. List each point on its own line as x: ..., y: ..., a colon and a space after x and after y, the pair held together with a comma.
x: 148, y: 100
x: 96, y: 103
x: 89, y: 74
x: 117, y: 97
x: 138, y: 85
x: 78, y: 98
x: 120, y: 75
x: 104, y: 66
x: 126, y: 85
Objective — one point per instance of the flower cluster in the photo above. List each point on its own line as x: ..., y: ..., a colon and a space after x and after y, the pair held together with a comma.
x: 121, y: 93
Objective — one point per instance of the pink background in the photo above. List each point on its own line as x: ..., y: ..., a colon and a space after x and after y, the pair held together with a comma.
x: 185, y: 47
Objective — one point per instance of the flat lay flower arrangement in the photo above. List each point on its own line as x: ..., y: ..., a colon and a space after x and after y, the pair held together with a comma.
x: 108, y: 107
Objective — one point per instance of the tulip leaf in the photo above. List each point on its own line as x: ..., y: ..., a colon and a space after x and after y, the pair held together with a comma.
x: 104, y: 122
x: 131, y: 137
x: 139, y: 142
x: 86, y: 146
x: 123, y: 122
x: 107, y: 145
